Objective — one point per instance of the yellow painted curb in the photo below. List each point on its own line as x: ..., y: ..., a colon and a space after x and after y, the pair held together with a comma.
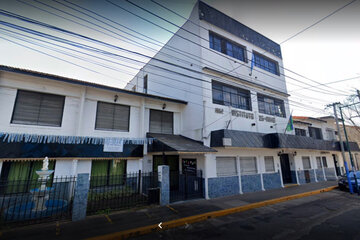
x: 202, y: 217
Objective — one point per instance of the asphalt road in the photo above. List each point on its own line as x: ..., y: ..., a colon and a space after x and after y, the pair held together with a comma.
x: 331, y: 215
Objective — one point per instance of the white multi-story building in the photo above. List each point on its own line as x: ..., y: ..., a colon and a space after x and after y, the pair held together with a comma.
x: 212, y: 100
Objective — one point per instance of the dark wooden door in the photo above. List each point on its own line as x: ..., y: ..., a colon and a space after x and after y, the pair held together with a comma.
x: 285, y: 168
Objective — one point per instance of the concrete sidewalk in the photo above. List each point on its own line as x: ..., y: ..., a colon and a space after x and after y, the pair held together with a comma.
x: 119, y: 221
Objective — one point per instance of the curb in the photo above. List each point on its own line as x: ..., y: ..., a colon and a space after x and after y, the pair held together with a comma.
x: 204, y: 216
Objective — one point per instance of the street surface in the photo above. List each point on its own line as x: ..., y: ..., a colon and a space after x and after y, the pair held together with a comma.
x: 331, y: 215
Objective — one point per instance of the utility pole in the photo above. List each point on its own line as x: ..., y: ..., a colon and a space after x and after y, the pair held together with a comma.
x: 338, y: 130
x: 348, y: 147
x: 358, y: 93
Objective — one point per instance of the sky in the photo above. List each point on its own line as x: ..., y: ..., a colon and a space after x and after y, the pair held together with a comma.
x: 324, y: 53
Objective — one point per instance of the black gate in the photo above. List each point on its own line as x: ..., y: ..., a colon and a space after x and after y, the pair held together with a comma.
x: 122, y: 191
x: 185, y: 185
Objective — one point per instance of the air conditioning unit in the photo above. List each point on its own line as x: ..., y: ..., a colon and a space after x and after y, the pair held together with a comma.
x: 227, y: 142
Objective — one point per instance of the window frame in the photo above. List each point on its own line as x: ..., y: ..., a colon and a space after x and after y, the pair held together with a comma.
x: 316, y: 135
x: 265, y: 58
x: 41, y: 93
x: 261, y: 99
x: 319, y: 160
x: 223, y: 46
x: 227, y: 158
x: 301, y: 130
x: 324, y: 163
x: 157, y: 110
x: 242, y: 172
x: 273, y: 164
x: 113, y: 130
x: 308, y: 157
x: 240, y: 95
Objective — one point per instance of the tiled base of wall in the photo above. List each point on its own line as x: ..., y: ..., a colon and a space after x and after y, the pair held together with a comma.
x: 251, y: 183
x: 330, y: 173
x: 272, y: 180
x: 223, y: 186
x: 320, y: 175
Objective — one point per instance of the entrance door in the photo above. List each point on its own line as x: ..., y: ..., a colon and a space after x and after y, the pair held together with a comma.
x: 285, y: 168
x: 336, y: 165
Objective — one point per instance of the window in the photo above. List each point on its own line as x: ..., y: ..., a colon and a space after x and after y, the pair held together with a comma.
x: 107, y: 172
x: 265, y: 63
x: 306, y: 163
x: 269, y: 164
x: 226, y: 166
x: 318, y: 162
x: 271, y: 106
x: 315, y: 133
x: 161, y: 122
x: 227, y: 47
x: 145, y: 83
x: 231, y: 96
x: 330, y: 133
x: 324, y: 162
x: 111, y: 116
x: 300, y: 132
x: 36, y: 108
x: 248, y: 165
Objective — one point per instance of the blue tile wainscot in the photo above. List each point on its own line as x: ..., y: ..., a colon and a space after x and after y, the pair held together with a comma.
x: 223, y: 186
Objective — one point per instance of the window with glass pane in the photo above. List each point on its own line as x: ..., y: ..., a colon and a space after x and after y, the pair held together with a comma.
x: 227, y: 47
x: 114, y: 117
x: 36, y: 108
x: 318, y: 162
x: 226, y: 166
x: 269, y: 164
x: 300, y: 132
x: 248, y: 165
x: 265, y: 63
x: 315, y: 133
x: 306, y: 163
x: 324, y: 162
x: 230, y: 96
x: 161, y: 122
x: 271, y: 106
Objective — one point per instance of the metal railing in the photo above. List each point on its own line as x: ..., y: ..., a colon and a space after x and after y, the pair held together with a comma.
x: 122, y: 191
x: 26, y: 202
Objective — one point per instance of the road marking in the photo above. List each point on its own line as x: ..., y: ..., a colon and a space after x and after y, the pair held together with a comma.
x: 57, y: 230
x: 205, y: 216
x: 108, y: 218
x: 160, y: 225
x: 172, y: 209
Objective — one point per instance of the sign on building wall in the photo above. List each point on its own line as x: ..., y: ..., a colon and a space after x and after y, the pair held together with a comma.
x: 113, y: 145
x: 266, y: 119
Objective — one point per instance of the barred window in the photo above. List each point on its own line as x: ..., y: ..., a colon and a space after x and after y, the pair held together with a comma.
x: 111, y: 116
x: 271, y: 106
x: 324, y: 162
x: 248, y: 165
x: 231, y: 96
x: 36, y: 108
x: 269, y: 164
x: 306, y: 163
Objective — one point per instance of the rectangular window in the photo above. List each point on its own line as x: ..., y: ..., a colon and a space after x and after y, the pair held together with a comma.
x: 145, y: 83
x: 306, y: 163
x: 111, y: 116
x: 161, y: 122
x: 300, y: 132
x: 36, y: 108
x: 324, y: 162
x: 318, y: 162
x: 227, y: 47
x: 265, y: 63
x: 269, y: 164
x: 231, y: 96
x: 271, y: 106
x: 248, y: 165
x: 226, y: 166
x: 315, y: 133
x: 107, y: 173
x: 330, y: 133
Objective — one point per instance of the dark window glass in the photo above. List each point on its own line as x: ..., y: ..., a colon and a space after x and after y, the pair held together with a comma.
x: 315, y: 133
x: 271, y: 106
x: 227, y: 47
x: 265, y: 63
x: 300, y: 132
x: 161, y: 122
x: 231, y: 96
x: 38, y: 109
x: 145, y: 83
x: 110, y: 116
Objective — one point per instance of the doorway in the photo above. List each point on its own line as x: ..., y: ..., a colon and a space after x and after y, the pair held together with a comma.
x: 285, y: 168
x: 336, y: 164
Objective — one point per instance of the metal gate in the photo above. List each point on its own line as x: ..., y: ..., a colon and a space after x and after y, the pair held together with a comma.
x: 185, y: 185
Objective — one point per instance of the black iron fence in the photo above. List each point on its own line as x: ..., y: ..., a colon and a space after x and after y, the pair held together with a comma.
x: 122, y: 191
x: 186, y: 185
x: 31, y: 201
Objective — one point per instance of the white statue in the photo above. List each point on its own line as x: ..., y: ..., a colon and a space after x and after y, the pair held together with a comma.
x: 45, y: 166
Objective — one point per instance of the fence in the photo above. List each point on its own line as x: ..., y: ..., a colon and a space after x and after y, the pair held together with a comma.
x: 186, y: 185
x: 26, y: 201
x: 122, y: 191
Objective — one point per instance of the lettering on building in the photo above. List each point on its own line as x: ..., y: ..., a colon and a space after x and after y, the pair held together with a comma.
x: 237, y: 113
x: 219, y: 110
x: 266, y: 119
